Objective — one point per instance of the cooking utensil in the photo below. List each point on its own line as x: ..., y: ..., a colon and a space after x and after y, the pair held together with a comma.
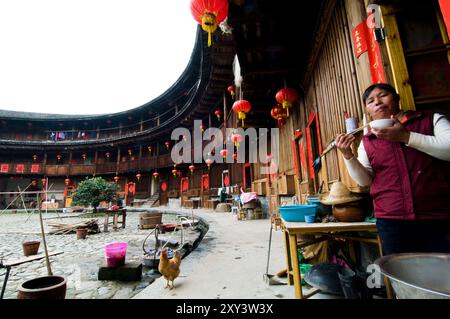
x: 318, y: 161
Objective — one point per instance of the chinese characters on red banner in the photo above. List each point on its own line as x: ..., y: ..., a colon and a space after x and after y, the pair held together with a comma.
x: 4, y: 168
x: 34, y: 168
x: 364, y: 40
x: 359, y: 34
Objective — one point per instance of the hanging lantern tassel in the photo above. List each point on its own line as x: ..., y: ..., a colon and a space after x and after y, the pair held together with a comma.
x: 241, y: 116
x: 209, y: 24
x: 287, y: 105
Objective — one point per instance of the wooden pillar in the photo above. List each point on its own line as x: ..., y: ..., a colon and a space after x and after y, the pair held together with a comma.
x: 140, y: 156
x: 118, y: 160
x: 95, y: 162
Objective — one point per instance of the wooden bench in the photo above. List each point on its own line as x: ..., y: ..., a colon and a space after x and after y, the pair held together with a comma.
x: 115, y: 214
x: 20, y: 261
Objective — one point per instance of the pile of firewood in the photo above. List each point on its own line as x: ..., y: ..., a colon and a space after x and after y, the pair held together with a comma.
x: 62, y: 229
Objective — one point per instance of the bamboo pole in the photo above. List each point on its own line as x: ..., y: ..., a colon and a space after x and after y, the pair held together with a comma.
x: 44, y: 242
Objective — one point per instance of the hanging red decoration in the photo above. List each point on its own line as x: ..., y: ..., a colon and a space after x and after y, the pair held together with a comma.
x: 167, y: 143
x: 218, y: 113
x: 116, y: 178
x: 224, y: 153
x: 34, y: 157
x: 202, y: 127
x: 231, y: 90
x: 155, y: 175
x: 138, y: 176
x: 235, y: 156
x: 241, y: 107
x: 236, y: 138
x: 174, y: 172
x: 108, y: 154
x: 280, y: 114
x: 67, y: 181
x: 286, y: 97
x: 209, y: 13
x: 209, y: 161
x: 192, y: 168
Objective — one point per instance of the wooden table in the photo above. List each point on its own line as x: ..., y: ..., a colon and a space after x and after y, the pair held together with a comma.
x: 327, y: 231
x: 115, y: 222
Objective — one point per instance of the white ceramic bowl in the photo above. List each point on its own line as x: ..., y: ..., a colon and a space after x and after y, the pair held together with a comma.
x: 383, y: 123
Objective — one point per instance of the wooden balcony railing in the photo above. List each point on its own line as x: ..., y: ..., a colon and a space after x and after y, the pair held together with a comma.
x: 144, y: 164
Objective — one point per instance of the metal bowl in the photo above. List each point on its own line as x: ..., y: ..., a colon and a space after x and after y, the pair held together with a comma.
x: 417, y: 275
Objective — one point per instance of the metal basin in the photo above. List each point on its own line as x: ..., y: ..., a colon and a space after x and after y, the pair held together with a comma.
x: 418, y: 275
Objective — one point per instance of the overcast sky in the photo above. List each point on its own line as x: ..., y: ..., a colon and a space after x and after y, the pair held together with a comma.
x: 91, y: 56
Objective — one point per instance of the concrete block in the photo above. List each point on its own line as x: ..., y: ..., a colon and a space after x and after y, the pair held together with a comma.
x: 127, y: 272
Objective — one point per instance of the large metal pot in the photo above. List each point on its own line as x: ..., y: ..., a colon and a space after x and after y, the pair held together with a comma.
x: 417, y: 275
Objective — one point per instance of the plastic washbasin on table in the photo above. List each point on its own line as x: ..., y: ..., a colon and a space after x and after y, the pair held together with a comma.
x: 328, y: 231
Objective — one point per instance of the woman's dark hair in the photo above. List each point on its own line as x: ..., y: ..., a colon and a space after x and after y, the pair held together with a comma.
x: 382, y: 86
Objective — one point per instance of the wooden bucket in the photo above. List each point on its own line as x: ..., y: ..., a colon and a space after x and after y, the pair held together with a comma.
x: 149, y: 220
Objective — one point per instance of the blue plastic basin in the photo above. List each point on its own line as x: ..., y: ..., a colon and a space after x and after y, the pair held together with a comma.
x: 296, y: 213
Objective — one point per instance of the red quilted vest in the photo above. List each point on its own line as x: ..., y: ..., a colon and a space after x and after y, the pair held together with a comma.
x: 408, y: 184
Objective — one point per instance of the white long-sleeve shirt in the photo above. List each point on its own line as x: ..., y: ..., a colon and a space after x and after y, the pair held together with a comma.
x: 437, y: 145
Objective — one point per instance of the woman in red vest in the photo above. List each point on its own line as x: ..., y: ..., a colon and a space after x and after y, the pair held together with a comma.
x: 407, y: 167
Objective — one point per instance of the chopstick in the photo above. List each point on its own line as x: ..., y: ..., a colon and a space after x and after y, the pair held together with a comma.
x: 333, y: 141
x: 359, y: 129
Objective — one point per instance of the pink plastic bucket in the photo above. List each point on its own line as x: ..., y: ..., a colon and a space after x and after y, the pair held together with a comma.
x: 115, y: 254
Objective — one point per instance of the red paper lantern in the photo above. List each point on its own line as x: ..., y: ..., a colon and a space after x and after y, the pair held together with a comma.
x: 155, y: 175
x: 280, y: 114
x: 209, y: 161
x: 192, y: 168
x: 116, y: 178
x: 241, y: 107
x: 138, y: 176
x: 224, y: 153
x: 174, y: 172
x: 218, y: 113
x: 236, y: 138
x: 231, y: 90
x: 34, y: 157
x: 286, y: 97
x: 209, y: 13
x: 67, y: 181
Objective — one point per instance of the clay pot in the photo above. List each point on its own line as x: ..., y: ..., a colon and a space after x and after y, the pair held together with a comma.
x: 30, y: 247
x: 81, y: 233
x: 349, y: 212
x: 47, y: 287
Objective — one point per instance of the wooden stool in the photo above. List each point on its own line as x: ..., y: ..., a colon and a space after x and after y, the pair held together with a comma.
x: 115, y: 222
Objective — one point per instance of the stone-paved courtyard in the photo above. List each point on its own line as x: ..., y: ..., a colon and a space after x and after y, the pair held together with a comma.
x: 81, y: 259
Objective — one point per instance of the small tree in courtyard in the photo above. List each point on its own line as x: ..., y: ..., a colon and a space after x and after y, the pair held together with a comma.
x: 93, y: 191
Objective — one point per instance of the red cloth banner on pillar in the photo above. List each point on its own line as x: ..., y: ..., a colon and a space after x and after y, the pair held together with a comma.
x: 376, y: 64
x: 445, y: 9
x: 359, y: 34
